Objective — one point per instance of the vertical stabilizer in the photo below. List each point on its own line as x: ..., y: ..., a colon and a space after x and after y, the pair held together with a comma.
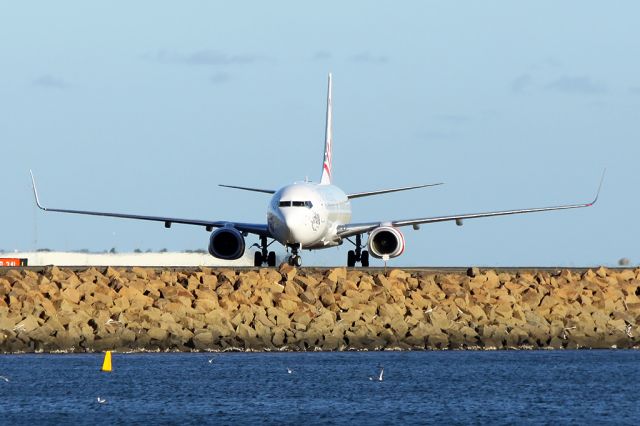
x: 328, y: 141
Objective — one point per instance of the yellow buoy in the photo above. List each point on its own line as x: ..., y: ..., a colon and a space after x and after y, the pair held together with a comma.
x: 106, y: 364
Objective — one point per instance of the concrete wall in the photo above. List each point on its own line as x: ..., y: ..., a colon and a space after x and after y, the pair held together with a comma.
x: 127, y: 259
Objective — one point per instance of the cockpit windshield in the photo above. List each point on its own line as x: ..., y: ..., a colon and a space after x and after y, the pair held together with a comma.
x: 307, y: 204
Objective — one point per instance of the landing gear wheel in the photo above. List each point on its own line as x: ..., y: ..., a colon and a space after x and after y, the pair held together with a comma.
x: 351, y: 259
x: 271, y: 258
x: 264, y: 256
x: 295, y: 260
x: 364, y: 259
x: 357, y: 255
x: 257, y: 259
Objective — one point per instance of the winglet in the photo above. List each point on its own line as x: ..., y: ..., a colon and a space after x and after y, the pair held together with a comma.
x: 35, y: 191
x: 599, y: 187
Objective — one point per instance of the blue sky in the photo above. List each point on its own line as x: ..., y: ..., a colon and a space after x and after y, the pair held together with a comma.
x: 144, y: 107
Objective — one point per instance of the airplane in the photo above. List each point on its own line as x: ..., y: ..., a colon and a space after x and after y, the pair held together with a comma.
x: 313, y: 216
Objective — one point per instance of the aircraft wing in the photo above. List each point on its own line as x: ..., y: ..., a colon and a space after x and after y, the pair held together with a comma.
x: 351, y: 229
x: 252, y: 228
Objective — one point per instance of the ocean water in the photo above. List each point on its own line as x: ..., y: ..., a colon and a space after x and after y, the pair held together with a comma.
x: 448, y: 387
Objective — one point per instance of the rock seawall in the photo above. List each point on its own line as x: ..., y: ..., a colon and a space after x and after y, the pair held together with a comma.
x: 297, y: 309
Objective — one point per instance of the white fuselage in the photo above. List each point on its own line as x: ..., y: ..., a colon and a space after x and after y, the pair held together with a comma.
x: 308, y: 215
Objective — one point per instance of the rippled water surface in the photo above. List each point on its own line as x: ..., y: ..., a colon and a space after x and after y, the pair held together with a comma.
x: 324, y: 388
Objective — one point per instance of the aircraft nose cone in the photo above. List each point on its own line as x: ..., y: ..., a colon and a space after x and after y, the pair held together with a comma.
x: 295, y: 223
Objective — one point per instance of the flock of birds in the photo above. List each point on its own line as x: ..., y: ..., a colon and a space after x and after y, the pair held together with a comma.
x: 291, y: 371
x: 101, y: 400
x: 379, y: 378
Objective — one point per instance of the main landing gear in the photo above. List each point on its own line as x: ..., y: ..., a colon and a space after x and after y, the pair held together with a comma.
x: 295, y: 259
x: 357, y: 255
x: 264, y: 256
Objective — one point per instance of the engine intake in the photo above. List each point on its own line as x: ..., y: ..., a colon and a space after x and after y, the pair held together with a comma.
x: 386, y: 241
x: 226, y: 243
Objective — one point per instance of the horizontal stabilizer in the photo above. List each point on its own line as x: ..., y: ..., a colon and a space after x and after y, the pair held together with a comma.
x: 244, y: 188
x: 386, y: 191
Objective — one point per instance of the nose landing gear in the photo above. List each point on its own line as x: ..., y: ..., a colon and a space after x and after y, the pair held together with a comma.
x: 357, y: 255
x: 264, y: 256
x: 295, y: 259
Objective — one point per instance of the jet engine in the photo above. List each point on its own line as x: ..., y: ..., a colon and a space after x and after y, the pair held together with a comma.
x: 386, y: 241
x: 226, y: 243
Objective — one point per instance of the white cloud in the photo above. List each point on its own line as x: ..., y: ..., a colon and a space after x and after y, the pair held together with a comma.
x: 50, y: 82
x: 576, y: 85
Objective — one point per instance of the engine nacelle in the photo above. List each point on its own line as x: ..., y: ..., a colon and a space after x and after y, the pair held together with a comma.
x: 226, y: 243
x: 386, y: 241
